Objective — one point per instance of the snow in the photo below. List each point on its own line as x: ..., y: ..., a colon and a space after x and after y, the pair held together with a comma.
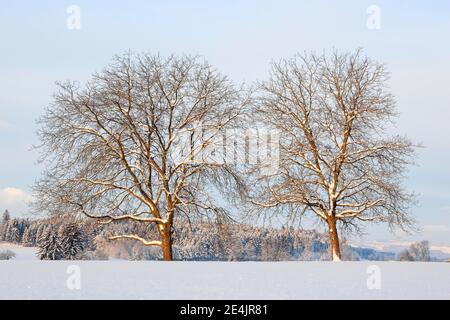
x: 22, y: 253
x: 222, y: 280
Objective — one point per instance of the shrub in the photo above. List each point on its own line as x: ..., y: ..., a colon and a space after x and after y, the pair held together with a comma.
x: 7, y: 255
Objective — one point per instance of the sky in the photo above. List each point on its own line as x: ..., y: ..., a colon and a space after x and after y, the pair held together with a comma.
x: 40, y: 46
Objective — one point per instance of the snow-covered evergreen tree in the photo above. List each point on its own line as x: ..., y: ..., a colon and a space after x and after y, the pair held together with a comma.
x: 15, y: 235
x: 49, y: 245
x: 4, y: 225
x: 72, y: 240
x: 6, y: 216
x: 12, y: 233
x: 7, y: 232
x: 40, y: 229
x: 2, y: 231
x: 28, y: 239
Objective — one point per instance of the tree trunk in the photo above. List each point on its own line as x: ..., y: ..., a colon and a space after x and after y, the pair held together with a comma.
x: 166, y: 244
x: 335, y: 250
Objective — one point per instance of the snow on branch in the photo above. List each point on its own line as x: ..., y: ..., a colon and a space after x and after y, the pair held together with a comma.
x: 134, y: 237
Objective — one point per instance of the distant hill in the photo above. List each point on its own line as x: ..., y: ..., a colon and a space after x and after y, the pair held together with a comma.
x: 372, y: 254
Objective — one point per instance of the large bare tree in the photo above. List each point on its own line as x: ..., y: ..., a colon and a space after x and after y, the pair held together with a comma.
x: 115, y: 149
x: 337, y: 160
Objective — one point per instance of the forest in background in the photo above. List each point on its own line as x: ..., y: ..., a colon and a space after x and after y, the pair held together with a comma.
x: 69, y: 238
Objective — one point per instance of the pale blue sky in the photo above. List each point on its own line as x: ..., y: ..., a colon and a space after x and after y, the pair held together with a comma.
x: 239, y: 38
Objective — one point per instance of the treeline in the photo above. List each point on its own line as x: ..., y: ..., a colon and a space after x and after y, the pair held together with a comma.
x: 57, y: 238
x: 17, y: 230
x: 68, y: 238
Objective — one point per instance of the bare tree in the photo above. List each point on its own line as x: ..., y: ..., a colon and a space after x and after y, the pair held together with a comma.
x: 114, y: 148
x: 419, y: 251
x: 336, y: 159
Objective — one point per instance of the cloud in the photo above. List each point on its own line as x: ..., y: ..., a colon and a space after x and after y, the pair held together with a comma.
x: 15, y: 200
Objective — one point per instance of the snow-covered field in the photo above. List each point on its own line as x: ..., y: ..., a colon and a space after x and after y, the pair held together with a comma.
x: 22, y: 253
x: 222, y: 280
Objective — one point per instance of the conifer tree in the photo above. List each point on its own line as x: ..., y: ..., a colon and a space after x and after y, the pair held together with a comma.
x: 49, y: 245
x: 72, y: 240
x: 28, y: 237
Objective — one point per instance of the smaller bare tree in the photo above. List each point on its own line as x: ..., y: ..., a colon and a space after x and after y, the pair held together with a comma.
x: 419, y: 251
x: 336, y: 159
